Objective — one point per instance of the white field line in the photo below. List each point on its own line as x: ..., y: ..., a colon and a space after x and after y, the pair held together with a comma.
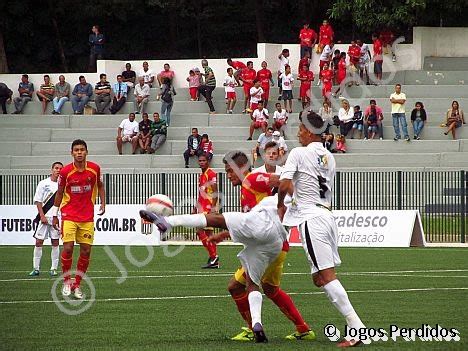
x: 196, y: 297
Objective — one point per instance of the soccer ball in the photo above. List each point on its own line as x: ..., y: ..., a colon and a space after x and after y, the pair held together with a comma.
x: 160, y: 204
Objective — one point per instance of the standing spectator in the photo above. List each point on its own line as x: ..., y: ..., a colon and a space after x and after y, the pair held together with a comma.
x: 346, y: 115
x: 387, y: 38
x: 238, y: 66
x: 167, y: 97
x: 280, y: 118
x: 194, y: 82
x: 262, y: 140
x: 62, y: 95
x: 358, y: 121
x: 96, y: 41
x: 306, y: 77
x: 206, y: 147
x: 283, y: 62
x: 166, y: 73
x: 265, y: 77
x: 25, y: 89
x: 193, y: 143
x: 307, y: 36
x: 142, y: 93
x: 247, y: 77
x: 326, y: 77
x: 259, y: 120
x: 341, y: 75
x: 398, y: 100
x: 209, y: 85
x: 305, y: 60
x: 378, y: 57
x: 147, y: 74
x: 5, y: 96
x: 454, y: 118
x: 325, y: 35
x: 144, y: 135
x: 326, y: 56
x: 230, y: 90
x: 335, y: 62
x: 418, y: 119
x: 129, y: 76
x: 45, y: 94
x: 287, y: 83
x: 158, y: 133
x: 364, y: 61
x: 326, y: 112
x: 81, y: 95
x: 354, y: 53
x: 102, y: 91
x: 255, y: 93
x: 128, y: 133
x: 120, y: 95
x: 373, y: 111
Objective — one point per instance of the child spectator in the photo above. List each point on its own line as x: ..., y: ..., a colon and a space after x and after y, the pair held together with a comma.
x: 357, y: 121
x: 306, y: 77
x: 354, y: 53
x: 230, y: 90
x: 247, y: 76
x: 287, y: 81
x: 334, y: 63
x: 280, y: 118
x: 194, y: 82
x: 305, y: 60
x: 283, y: 62
x: 372, y: 122
x: 256, y: 93
x: 373, y: 109
x: 326, y: 56
x: 341, y: 75
x: 238, y: 66
x: 259, y: 119
x: 340, y: 144
x: 326, y: 76
x: 206, y: 146
x: 378, y: 57
x: 282, y: 146
x: 418, y: 119
x: 265, y: 77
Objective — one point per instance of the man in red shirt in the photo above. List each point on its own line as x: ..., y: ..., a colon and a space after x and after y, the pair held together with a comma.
x: 308, y: 37
x: 265, y: 77
x: 238, y: 66
x: 326, y: 76
x: 247, y: 76
x: 354, y: 53
x: 306, y: 77
x: 79, y: 184
x: 378, y: 57
x: 325, y: 35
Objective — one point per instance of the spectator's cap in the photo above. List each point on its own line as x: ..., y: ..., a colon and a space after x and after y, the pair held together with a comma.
x: 196, y: 69
x: 276, y: 134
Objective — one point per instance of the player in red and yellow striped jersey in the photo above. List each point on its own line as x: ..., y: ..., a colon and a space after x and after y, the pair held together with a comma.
x: 79, y: 184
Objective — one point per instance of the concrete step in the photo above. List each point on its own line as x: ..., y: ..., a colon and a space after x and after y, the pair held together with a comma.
x: 446, y: 63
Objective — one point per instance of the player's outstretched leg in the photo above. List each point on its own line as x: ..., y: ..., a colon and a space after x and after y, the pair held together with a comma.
x: 255, y: 303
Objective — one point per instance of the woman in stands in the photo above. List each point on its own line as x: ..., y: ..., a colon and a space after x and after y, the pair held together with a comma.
x: 418, y: 119
x: 454, y: 119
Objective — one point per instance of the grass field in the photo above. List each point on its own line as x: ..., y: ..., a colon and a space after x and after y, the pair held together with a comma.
x: 171, y: 304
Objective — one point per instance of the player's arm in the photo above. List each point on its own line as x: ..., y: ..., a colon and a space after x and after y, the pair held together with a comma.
x: 102, y: 195
x: 214, y: 207
x: 41, y: 211
x: 286, y: 186
x: 217, y: 238
x: 57, y: 202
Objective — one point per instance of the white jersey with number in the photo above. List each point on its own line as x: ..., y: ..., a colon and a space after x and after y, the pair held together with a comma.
x: 229, y: 84
x: 44, y: 191
x: 256, y: 94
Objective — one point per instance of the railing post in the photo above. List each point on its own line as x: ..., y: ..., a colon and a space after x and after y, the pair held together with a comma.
x: 338, y: 191
x: 462, y: 204
x: 399, y: 190
x: 1, y: 189
x: 107, y: 186
x: 163, y: 183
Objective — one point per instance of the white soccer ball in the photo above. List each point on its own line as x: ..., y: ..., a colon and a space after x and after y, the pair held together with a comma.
x: 160, y: 204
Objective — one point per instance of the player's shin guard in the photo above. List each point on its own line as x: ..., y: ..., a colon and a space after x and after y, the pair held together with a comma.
x: 67, y: 260
x: 255, y: 303
x: 242, y: 302
x: 81, y: 268
x: 286, y: 305
x: 37, y: 257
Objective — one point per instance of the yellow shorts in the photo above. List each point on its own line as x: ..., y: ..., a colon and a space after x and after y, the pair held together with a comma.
x: 79, y: 232
x: 272, y: 275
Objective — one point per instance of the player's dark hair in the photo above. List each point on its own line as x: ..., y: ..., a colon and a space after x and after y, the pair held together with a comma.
x: 270, y: 144
x: 79, y: 142
x: 57, y: 163
x: 313, y: 119
x: 238, y: 157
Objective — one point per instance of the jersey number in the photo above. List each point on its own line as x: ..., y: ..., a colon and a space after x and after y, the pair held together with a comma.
x: 323, y: 186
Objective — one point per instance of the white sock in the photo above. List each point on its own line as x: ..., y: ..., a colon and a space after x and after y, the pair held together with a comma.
x: 54, y: 255
x: 37, y: 257
x: 189, y: 221
x: 339, y: 298
x: 255, y: 302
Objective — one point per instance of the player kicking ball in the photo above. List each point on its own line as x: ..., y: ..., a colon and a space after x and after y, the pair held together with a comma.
x: 310, y: 170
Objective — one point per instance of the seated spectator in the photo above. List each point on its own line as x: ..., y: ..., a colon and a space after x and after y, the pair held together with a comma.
x: 418, y: 119
x: 81, y: 95
x: 262, y: 140
x: 194, y: 80
x: 25, y: 89
x: 206, y: 146
x: 120, y: 95
x: 5, y: 96
x: 454, y: 119
x: 328, y: 140
x: 45, y: 94
x: 373, y: 109
x: 102, y: 91
x: 346, y: 115
x: 372, y: 124
x: 271, y: 160
x: 282, y: 146
x: 167, y: 101
x: 280, y: 118
x: 158, y: 133
x: 147, y: 74
x: 128, y: 133
x: 193, y: 146
x: 166, y: 73
x: 144, y: 135
x: 62, y: 95
x: 326, y: 113
x: 259, y: 119
x: 129, y: 76
x: 142, y: 93
x: 358, y: 121
x: 340, y: 144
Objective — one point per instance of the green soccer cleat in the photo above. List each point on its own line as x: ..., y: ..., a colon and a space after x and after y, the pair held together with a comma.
x: 308, y: 335
x: 34, y: 273
x: 245, y: 335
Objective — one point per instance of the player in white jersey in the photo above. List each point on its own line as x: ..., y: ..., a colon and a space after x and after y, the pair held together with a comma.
x: 310, y: 171
x: 44, y: 200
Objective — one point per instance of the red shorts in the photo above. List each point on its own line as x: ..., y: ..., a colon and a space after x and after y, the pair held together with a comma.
x: 304, y: 91
x: 340, y: 78
x: 193, y: 92
x: 325, y: 41
x: 278, y: 125
x: 326, y: 89
x: 253, y: 106
x: 231, y: 95
x: 260, y: 124
x: 247, y: 90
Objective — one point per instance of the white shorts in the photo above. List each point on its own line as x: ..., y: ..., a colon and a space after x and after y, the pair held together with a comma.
x: 262, y: 234
x: 319, y: 236
x: 46, y: 231
x: 127, y: 138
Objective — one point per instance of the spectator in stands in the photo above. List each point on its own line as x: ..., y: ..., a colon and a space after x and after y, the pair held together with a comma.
x: 282, y: 146
x: 305, y: 60
x: 255, y: 93
x: 102, y: 92
x: 129, y: 76
x: 62, y: 95
x: 45, y: 94
x: 306, y: 77
x: 358, y: 120
x: 326, y: 77
x: 120, y: 95
x: 96, y: 41
x: 194, y: 82
x: 354, y: 53
x: 387, y: 38
x: 144, y: 134
x: 25, y: 89
x: 247, y: 77
x: 147, y: 74
x: 373, y: 112
x: 378, y: 57
x: 206, y: 146
x: 262, y: 140
x: 259, y: 119
x: 230, y: 90
x: 346, y: 115
x: 5, y: 96
x: 81, y: 95
x: 280, y: 118
x: 283, y: 62
x: 326, y: 56
x: 265, y: 77
x: 271, y: 160
x: 307, y: 37
x: 158, y: 133
x: 238, y: 66
x: 165, y: 73
x: 166, y: 95
x: 328, y: 140
x: 364, y: 61
x: 142, y: 93
x: 325, y: 35
x: 287, y: 84
x: 398, y: 100
x: 334, y: 63
x: 193, y: 146
x: 128, y: 133
x: 209, y: 85
x: 454, y: 118
x: 341, y: 75
x: 326, y: 112
x: 418, y: 119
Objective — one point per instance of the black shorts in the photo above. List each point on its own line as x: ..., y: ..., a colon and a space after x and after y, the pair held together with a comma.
x: 287, y: 95
x: 378, y: 67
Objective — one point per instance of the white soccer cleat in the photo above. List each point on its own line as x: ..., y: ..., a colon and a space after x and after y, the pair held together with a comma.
x: 78, y: 293
x: 66, y: 290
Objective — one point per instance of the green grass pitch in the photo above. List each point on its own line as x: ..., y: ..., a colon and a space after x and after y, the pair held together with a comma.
x: 171, y: 304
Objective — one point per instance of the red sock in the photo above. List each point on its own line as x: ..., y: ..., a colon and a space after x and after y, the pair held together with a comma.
x: 242, y: 302
x: 286, y: 305
x: 209, y: 246
x: 66, y: 260
x: 81, y: 268
x: 212, y: 249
